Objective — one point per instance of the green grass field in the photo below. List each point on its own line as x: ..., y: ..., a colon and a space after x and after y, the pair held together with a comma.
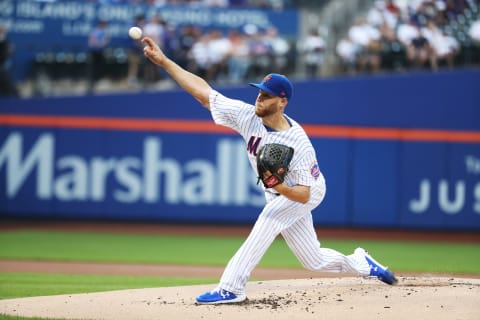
x: 192, y: 250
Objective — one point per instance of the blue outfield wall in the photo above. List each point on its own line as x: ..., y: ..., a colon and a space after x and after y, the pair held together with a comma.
x: 397, y: 151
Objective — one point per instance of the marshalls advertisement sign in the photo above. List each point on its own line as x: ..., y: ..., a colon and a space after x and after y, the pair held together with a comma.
x: 412, y: 161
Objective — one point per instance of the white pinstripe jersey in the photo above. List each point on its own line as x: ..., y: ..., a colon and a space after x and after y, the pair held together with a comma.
x: 241, y: 117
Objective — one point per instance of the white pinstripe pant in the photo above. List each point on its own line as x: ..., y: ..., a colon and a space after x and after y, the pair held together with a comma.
x: 294, y: 221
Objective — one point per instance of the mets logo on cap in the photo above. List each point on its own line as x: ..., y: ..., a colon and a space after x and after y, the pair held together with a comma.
x: 275, y: 84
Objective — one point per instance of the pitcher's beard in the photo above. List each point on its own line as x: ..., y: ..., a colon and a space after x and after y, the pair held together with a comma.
x: 263, y: 112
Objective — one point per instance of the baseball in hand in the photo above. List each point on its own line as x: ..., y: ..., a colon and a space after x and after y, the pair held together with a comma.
x: 135, y: 33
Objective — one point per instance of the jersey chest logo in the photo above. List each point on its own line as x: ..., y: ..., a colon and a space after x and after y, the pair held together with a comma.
x: 252, y: 145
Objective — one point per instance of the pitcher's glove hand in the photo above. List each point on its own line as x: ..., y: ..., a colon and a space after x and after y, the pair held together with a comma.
x: 272, y: 163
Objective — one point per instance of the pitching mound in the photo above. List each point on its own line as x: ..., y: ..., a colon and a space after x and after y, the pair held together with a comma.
x: 327, y: 298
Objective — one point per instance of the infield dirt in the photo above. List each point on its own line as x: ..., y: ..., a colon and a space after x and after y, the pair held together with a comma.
x: 316, y: 298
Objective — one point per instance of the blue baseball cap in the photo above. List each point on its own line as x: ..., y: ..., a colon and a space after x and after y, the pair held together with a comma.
x: 276, y: 84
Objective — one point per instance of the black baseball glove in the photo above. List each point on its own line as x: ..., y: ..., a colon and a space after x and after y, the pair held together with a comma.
x: 273, y: 158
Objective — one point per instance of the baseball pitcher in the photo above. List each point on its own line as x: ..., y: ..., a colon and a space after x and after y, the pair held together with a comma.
x: 284, y: 159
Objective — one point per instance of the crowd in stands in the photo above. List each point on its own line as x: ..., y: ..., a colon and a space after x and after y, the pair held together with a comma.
x: 415, y: 34
x: 229, y: 57
x: 392, y: 35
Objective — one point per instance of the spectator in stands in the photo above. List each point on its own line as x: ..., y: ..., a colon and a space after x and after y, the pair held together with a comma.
x: 392, y: 52
x: 445, y: 48
x: 313, y: 49
x: 406, y: 32
x: 199, y: 56
x: 474, y: 34
x: 366, y: 38
x: 98, y: 40
x: 385, y: 16
x: 7, y: 85
x: 383, y: 13
x: 392, y: 7
x: 420, y: 52
x: 424, y: 12
x: 238, y: 57
x: 155, y: 28
x: 455, y: 7
x: 183, y: 43
x: 376, y: 15
x: 135, y: 56
x: 218, y: 48
x: 261, y: 52
x: 347, y: 52
x: 441, y: 18
x: 280, y: 48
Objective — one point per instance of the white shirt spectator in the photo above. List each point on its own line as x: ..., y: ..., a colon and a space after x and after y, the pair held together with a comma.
x: 200, y: 53
x: 474, y: 31
x: 347, y: 50
x: 280, y: 45
x: 441, y: 43
x: 406, y: 32
x: 155, y: 30
x: 218, y: 48
x: 379, y: 14
x: 362, y: 33
x: 314, y: 48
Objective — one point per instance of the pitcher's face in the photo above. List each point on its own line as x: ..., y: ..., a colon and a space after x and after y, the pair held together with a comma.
x: 268, y: 104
